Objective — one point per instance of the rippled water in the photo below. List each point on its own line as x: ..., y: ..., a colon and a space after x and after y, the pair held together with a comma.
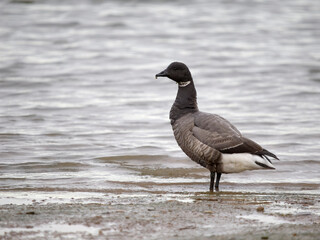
x: 80, y: 110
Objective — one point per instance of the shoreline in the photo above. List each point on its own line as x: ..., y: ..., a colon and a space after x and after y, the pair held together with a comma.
x: 222, y: 215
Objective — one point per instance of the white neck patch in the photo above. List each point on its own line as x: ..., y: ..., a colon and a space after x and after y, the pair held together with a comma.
x: 184, y: 84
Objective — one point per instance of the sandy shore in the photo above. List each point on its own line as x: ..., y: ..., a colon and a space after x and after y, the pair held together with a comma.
x: 224, y: 215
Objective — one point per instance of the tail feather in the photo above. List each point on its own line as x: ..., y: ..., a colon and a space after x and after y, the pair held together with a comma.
x: 264, y: 153
x: 263, y: 165
x: 263, y: 162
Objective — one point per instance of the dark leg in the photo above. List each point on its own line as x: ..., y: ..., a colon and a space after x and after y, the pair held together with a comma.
x: 212, y: 175
x: 217, y: 182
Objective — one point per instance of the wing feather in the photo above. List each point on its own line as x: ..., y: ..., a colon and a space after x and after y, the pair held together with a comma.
x: 221, y: 135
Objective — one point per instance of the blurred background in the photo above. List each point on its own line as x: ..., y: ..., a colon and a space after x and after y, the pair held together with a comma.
x: 81, y: 111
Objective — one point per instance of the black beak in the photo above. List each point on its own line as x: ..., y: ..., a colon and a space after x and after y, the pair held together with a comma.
x: 162, y: 74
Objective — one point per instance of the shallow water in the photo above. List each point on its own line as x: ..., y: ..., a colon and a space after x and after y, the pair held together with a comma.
x: 81, y: 113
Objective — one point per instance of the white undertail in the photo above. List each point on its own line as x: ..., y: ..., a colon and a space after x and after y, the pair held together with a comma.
x: 239, y: 162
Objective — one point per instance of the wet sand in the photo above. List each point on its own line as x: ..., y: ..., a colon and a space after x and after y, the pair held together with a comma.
x: 223, y: 215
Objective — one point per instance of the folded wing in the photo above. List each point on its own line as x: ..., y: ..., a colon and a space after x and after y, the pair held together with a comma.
x: 221, y: 135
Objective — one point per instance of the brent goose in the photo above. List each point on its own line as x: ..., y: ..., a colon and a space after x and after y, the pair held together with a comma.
x: 209, y: 139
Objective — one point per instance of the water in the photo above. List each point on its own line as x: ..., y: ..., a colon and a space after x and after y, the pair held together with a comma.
x: 81, y: 114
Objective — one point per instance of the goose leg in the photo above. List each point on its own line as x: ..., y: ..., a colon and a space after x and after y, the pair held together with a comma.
x: 212, y: 175
x: 217, y: 182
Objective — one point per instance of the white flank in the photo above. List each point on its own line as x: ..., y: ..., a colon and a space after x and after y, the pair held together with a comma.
x: 239, y: 162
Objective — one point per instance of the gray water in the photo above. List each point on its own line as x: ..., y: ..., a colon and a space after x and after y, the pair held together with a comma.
x: 81, y: 114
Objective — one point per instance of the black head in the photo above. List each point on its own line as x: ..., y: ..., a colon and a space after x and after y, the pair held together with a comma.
x: 177, y: 71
